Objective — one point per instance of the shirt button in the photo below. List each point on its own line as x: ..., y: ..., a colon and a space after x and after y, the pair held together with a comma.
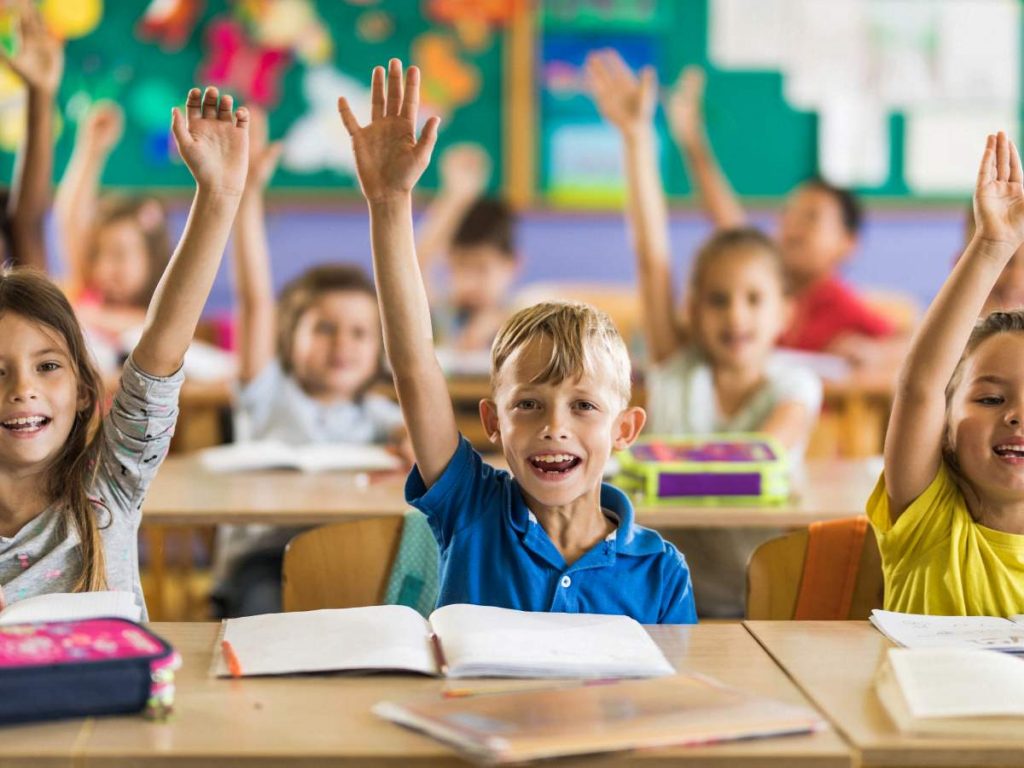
x: 566, y: 581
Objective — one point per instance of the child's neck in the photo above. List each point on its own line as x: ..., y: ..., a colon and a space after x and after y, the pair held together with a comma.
x: 23, y: 496
x: 1006, y: 516
x: 734, y: 386
x: 575, y: 528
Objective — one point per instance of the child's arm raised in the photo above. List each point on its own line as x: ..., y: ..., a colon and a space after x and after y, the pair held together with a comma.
x: 628, y: 103
x: 253, y: 284
x: 685, y: 110
x: 39, y: 62
x: 913, y: 442
x: 75, y: 205
x: 389, y: 161
x: 465, y: 169
x: 215, y: 149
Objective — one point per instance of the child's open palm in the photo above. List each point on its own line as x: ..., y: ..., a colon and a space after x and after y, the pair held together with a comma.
x: 685, y: 105
x: 625, y: 100
x: 39, y: 59
x: 999, y: 195
x: 389, y: 158
x: 213, y: 140
x: 103, y: 126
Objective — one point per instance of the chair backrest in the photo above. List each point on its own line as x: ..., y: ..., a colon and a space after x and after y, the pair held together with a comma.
x: 343, y: 565
x: 777, y: 578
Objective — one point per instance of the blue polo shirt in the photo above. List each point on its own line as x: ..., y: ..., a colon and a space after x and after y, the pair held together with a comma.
x: 494, y: 552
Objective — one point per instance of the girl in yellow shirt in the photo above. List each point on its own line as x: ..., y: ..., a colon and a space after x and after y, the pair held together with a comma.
x: 949, y: 509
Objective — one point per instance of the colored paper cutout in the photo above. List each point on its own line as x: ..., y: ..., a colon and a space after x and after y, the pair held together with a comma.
x: 70, y: 19
x: 497, y: 12
x: 251, y: 72
x: 170, y: 22
x: 448, y: 82
x: 375, y: 26
x: 291, y: 25
x: 150, y: 102
x: 317, y: 141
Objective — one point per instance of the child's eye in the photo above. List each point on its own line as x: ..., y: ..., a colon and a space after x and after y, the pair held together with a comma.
x: 49, y: 366
x: 990, y: 400
x: 584, y: 405
x: 526, y: 405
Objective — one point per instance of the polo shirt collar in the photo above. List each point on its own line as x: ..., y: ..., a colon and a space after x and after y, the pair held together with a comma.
x: 630, y: 539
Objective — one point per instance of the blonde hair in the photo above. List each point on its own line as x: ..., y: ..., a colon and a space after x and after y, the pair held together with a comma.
x: 582, y: 338
x: 31, y: 295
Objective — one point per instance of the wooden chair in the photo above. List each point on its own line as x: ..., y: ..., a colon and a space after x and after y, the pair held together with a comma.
x: 776, y: 576
x: 344, y: 565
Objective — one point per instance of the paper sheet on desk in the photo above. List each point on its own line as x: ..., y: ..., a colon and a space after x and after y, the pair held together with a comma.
x: 268, y: 454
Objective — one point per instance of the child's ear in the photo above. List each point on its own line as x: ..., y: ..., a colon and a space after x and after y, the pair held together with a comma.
x: 489, y: 418
x: 628, y: 426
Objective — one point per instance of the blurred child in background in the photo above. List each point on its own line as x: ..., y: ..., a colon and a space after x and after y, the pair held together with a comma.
x: 306, y: 368
x: 718, y: 374
x: 476, y: 236
x: 818, y: 232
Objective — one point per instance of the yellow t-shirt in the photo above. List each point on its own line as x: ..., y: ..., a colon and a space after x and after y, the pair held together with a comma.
x: 937, y: 560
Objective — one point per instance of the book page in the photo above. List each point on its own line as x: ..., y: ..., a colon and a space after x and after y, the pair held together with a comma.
x: 916, y: 631
x: 954, y: 682
x: 72, y: 605
x: 345, y: 456
x: 375, y: 638
x: 483, y: 641
x: 247, y: 456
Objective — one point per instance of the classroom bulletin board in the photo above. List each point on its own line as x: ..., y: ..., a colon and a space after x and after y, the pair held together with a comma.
x: 887, y: 97
x: 293, y: 57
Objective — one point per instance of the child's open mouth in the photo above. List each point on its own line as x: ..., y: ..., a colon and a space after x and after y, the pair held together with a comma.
x: 26, y: 426
x: 554, y: 464
x: 1011, y: 452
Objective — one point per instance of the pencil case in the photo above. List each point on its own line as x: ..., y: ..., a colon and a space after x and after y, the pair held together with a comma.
x: 705, y: 469
x: 100, y: 666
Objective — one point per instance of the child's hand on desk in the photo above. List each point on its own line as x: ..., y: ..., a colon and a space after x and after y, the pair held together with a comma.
x: 39, y: 59
x: 465, y: 169
x: 389, y: 158
x: 999, y: 195
x: 624, y: 100
x: 263, y: 153
x: 214, y: 147
x: 685, y: 107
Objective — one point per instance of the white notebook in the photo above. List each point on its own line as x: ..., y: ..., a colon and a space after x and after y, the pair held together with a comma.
x: 269, y: 454
x: 72, y: 605
x: 457, y: 641
x: 917, y: 631
x: 953, y: 691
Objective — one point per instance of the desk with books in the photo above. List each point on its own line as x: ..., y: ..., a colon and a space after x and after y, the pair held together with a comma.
x: 834, y: 664
x: 321, y: 719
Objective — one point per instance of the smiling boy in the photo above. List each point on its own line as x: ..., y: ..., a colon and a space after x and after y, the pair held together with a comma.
x: 550, y: 536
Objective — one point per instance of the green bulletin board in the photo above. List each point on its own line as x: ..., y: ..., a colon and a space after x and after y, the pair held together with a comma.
x: 310, y: 52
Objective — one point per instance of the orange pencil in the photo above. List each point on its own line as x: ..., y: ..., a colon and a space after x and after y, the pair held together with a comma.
x: 231, y: 658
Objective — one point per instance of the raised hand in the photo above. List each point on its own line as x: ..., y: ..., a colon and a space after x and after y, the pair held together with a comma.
x: 999, y: 195
x: 389, y: 158
x: 212, y: 142
x: 103, y: 127
x: 625, y: 100
x: 263, y: 153
x: 465, y: 169
x: 39, y: 56
x: 685, y: 106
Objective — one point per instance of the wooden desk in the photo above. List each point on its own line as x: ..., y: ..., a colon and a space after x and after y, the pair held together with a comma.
x: 833, y: 663
x: 183, y: 493
x: 320, y: 720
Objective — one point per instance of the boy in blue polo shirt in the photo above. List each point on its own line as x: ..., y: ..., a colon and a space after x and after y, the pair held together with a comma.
x: 550, y: 536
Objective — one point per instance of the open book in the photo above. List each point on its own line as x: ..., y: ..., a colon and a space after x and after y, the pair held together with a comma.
x: 269, y: 454
x: 917, y: 631
x: 586, y: 719
x: 72, y: 605
x: 457, y: 641
x: 953, y: 691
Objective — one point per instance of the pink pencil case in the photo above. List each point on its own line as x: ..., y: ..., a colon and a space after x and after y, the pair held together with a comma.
x: 104, y: 666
